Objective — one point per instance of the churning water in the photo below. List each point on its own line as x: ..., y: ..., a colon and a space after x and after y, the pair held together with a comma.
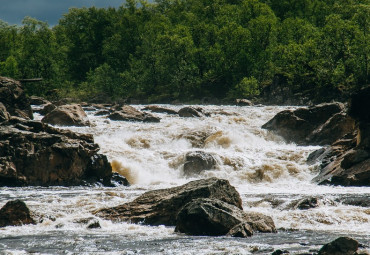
x: 269, y: 174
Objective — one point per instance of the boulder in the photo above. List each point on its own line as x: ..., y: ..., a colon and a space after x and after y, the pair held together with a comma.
x: 129, y: 113
x: 15, y: 213
x: 191, y: 112
x: 243, y: 102
x: 67, y: 115
x: 4, y: 115
x: 340, y: 246
x: 197, y: 161
x: 47, y: 108
x: 33, y: 153
x: 13, y: 97
x: 348, y: 163
x: 159, y: 109
x: 212, y: 217
x: 308, y: 126
x: 306, y: 203
x: 160, y: 207
x: 35, y: 100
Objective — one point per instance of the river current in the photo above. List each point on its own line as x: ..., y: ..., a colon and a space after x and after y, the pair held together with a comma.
x: 270, y: 175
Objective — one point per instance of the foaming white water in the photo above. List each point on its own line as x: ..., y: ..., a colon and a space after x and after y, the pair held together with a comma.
x: 270, y: 175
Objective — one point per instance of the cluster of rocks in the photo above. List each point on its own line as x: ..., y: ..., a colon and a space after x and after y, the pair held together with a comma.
x: 204, y: 207
x: 34, y: 153
x: 346, y: 161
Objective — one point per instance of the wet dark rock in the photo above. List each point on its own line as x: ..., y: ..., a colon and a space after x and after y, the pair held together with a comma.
x: 191, y: 112
x: 340, y: 246
x: 47, y: 108
x: 91, y: 222
x: 197, y: 161
x: 118, y: 180
x: 14, y: 99
x: 316, y: 125
x: 243, y: 102
x: 33, y: 153
x: 35, y: 100
x: 129, y: 113
x: 279, y: 252
x: 94, y: 224
x: 159, y: 109
x: 363, y: 201
x: 242, y: 230
x: 160, y: 207
x: 15, y: 213
x: 102, y: 113
x: 4, y: 115
x: 67, y: 115
x: 315, y: 156
x: 213, y: 217
x: 306, y: 203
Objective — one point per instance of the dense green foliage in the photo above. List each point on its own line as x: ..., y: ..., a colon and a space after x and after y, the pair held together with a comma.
x: 189, y: 49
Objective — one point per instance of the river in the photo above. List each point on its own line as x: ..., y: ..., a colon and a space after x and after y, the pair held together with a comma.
x: 268, y: 173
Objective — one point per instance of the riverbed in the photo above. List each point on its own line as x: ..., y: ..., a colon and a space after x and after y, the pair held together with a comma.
x: 270, y: 174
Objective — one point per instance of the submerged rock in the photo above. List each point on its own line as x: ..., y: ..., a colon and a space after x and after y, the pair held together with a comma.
x: 197, y: 161
x: 67, y: 115
x: 14, y: 99
x: 316, y: 125
x: 213, y: 217
x: 33, y: 153
x: 340, y: 246
x: 15, y: 213
x: 129, y: 113
x: 160, y: 207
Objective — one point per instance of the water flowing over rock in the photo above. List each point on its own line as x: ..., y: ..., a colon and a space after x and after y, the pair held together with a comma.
x: 316, y: 125
x: 347, y: 161
x: 67, y: 115
x: 243, y: 102
x: 340, y: 246
x: 14, y: 99
x: 215, y: 218
x: 129, y: 113
x: 160, y: 207
x: 33, y: 153
x: 15, y: 213
x: 160, y: 109
x: 197, y: 161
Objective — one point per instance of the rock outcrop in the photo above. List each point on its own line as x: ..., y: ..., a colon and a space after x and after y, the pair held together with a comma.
x: 33, y: 153
x: 213, y: 217
x: 67, y: 115
x: 347, y: 161
x: 197, y: 161
x: 14, y: 99
x: 15, y: 213
x: 47, y: 108
x: 317, y: 125
x: 243, y: 102
x: 129, y: 113
x: 340, y: 246
x: 160, y: 207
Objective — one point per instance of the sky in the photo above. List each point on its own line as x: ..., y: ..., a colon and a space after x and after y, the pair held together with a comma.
x: 13, y: 11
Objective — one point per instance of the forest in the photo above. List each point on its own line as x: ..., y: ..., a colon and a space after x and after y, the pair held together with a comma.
x: 185, y: 50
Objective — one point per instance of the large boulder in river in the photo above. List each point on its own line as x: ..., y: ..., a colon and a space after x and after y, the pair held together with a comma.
x: 67, y: 115
x: 347, y: 163
x: 340, y: 246
x: 33, y: 153
x: 129, y: 113
x: 14, y: 99
x: 316, y: 125
x: 15, y: 213
x: 197, y: 161
x: 213, y: 217
x: 160, y: 207
x: 190, y: 111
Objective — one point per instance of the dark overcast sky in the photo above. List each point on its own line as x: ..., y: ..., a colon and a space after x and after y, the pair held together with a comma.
x: 13, y: 11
